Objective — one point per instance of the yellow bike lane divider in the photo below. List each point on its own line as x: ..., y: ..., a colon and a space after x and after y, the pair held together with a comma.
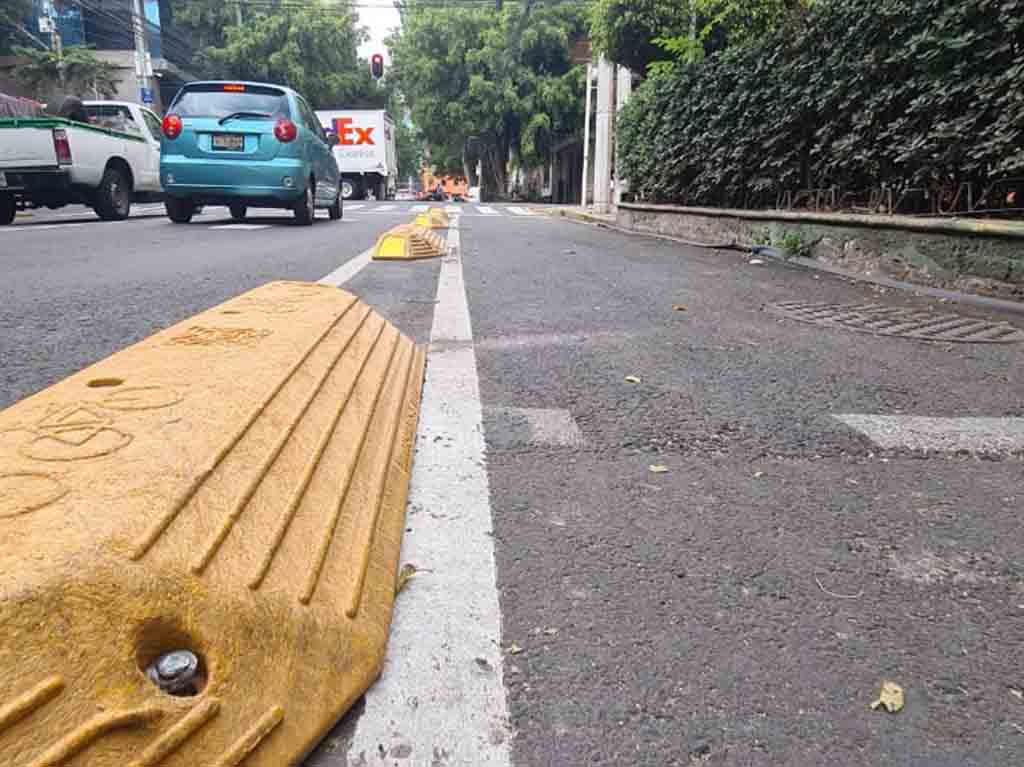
x: 199, y: 537
x: 407, y: 242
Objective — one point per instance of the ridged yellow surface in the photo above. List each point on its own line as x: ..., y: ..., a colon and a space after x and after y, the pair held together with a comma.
x: 235, y: 486
x: 407, y: 242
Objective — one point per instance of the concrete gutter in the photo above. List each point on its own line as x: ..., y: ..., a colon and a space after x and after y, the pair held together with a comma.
x: 960, y: 226
x: 970, y: 299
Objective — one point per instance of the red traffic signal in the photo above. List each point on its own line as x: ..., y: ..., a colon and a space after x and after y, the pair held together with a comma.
x: 377, y: 66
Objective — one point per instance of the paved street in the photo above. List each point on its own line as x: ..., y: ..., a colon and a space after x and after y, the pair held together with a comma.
x: 694, y: 531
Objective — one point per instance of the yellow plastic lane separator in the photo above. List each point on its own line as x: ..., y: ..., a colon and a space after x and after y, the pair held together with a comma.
x: 434, y: 218
x: 407, y: 242
x: 199, y: 537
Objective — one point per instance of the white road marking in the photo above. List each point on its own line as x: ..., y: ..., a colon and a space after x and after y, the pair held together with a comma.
x: 487, y: 210
x: 348, y: 270
x: 353, y: 205
x: 441, y: 697
x: 519, y: 211
x: 383, y: 208
x: 241, y: 227
x: 511, y: 426
x: 37, y: 227
x: 976, y: 435
x: 452, y: 208
x: 419, y: 208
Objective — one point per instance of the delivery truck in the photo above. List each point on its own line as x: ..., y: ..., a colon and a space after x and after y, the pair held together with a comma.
x: 365, y: 152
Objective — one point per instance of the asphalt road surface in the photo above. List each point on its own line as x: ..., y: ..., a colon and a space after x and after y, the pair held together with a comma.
x: 688, y: 530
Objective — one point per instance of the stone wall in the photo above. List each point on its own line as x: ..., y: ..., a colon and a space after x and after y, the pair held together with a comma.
x: 981, y: 257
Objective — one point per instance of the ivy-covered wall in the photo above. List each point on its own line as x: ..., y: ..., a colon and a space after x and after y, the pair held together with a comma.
x: 855, y: 94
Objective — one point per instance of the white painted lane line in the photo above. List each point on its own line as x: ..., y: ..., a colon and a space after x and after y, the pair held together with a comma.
x: 452, y: 208
x: 383, y: 208
x: 419, y: 208
x: 441, y: 697
x: 487, y: 210
x: 348, y: 270
x: 519, y: 211
x: 353, y: 205
x: 241, y: 227
x: 976, y: 435
x: 36, y: 228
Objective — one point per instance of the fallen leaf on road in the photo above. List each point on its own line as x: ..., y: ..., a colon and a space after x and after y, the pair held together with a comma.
x: 657, y: 468
x: 891, y: 698
x: 404, y: 576
x: 632, y: 379
x: 514, y: 649
x: 1018, y: 694
x: 758, y: 474
x: 678, y: 308
x: 755, y: 261
x: 551, y: 631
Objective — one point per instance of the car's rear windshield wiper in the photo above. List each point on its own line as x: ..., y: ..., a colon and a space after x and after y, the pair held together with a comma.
x: 233, y: 115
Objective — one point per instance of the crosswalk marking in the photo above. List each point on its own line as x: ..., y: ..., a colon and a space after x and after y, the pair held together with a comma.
x: 354, y: 205
x: 384, y: 208
x: 452, y: 208
x: 519, y: 211
x: 419, y: 208
x: 487, y: 210
x: 243, y: 227
x: 982, y: 435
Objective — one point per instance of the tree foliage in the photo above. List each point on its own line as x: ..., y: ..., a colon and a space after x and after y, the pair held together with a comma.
x: 855, y: 94
x: 641, y: 33
x: 625, y: 30
x: 205, y: 21
x: 12, y: 16
x: 83, y: 71
x: 487, y: 83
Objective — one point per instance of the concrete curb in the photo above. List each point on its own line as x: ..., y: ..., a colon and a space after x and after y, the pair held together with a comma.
x: 970, y: 299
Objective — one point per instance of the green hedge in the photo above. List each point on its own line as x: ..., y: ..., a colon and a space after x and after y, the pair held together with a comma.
x: 856, y: 94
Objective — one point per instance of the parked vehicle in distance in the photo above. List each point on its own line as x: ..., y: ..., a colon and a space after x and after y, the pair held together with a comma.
x: 365, y: 151
x: 245, y: 144
x: 106, y: 158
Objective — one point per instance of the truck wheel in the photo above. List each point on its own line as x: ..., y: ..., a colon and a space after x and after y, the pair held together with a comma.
x: 348, y: 189
x: 114, y: 196
x: 178, y: 210
x: 305, y: 209
x: 8, y: 209
x: 238, y: 212
x: 334, y: 212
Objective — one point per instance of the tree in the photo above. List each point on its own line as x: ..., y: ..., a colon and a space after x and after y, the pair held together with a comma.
x: 625, y: 30
x: 13, y: 14
x: 490, y: 84
x: 206, y: 21
x: 409, y: 148
x: 640, y: 33
x: 311, y: 49
x: 83, y: 71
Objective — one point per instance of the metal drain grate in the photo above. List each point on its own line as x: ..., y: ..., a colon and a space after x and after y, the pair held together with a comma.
x: 890, y: 321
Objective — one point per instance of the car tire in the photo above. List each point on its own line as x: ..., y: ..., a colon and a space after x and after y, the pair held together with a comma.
x: 178, y: 210
x: 349, y: 190
x: 335, y: 211
x: 114, y: 196
x: 238, y: 212
x: 305, y: 209
x: 8, y: 209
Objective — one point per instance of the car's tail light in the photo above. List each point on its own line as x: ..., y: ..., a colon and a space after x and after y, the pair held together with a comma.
x: 172, y: 126
x: 61, y: 147
x: 285, y: 130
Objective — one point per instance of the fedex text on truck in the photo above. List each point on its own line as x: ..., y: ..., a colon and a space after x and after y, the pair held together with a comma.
x: 352, y: 135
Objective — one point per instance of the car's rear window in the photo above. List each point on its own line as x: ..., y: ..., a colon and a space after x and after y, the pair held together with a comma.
x: 220, y: 100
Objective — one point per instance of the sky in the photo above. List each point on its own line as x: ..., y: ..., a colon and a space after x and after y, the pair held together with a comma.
x: 380, y: 19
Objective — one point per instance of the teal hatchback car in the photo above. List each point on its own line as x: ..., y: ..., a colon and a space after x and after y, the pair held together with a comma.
x: 246, y: 145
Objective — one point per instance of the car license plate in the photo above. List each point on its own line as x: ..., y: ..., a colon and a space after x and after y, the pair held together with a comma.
x: 3, y: 179
x: 229, y: 141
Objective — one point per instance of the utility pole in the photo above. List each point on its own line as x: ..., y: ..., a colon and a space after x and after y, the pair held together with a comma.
x: 586, y: 137
x: 143, y: 65
x: 56, y: 44
x: 603, y: 142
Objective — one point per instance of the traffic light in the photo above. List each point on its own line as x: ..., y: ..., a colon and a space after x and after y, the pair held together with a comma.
x: 377, y: 66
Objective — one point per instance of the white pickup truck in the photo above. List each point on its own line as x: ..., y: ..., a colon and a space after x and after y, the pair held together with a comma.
x: 106, y: 159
